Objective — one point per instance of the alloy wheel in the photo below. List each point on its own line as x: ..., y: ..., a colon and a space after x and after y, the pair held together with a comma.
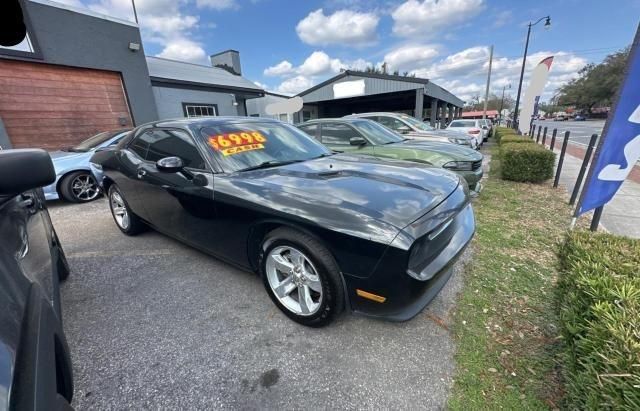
x: 84, y: 187
x: 119, y: 210
x: 294, y: 280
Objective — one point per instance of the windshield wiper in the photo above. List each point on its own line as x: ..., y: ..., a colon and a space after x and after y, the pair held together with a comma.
x: 270, y: 163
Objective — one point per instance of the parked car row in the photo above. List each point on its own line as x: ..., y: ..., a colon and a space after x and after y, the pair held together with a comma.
x: 347, y: 215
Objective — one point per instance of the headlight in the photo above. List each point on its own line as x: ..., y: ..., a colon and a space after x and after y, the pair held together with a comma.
x: 458, y: 165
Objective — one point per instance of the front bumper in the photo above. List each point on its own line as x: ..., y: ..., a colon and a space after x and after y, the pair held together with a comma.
x: 406, y: 296
x: 472, y: 177
x: 50, y: 192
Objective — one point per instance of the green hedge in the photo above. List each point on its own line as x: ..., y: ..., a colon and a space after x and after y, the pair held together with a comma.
x: 513, y: 138
x: 526, y: 162
x: 599, y: 303
x: 501, y: 132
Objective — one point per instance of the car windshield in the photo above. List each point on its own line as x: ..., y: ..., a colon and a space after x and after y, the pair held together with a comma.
x: 95, y: 141
x: 376, y: 133
x: 240, y: 146
x: 415, y: 123
x: 467, y: 123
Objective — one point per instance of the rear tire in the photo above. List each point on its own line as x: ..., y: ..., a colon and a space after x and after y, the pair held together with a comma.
x: 125, y: 219
x: 307, y: 289
x: 79, y: 187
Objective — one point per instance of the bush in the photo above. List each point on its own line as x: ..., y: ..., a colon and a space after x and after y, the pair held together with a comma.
x: 502, y: 132
x: 526, y: 162
x: 599, y: 303
x: 513, y: 138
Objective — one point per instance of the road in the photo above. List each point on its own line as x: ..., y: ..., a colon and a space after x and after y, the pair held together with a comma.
x: 153, y: 324
x: 581, y: 131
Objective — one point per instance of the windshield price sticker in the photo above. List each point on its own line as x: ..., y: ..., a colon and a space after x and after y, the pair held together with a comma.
x: 234, y: 143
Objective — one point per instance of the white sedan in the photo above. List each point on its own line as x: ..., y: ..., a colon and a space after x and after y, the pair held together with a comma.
x: 474, y: 128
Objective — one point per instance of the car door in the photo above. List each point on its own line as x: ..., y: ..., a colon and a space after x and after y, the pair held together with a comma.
x: 311, y: 129
x: 394, y: 124
x: 337, y: 136
x: 181, y: 203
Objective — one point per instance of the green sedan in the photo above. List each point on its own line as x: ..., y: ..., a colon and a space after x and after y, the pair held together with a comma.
x: 361, y: 136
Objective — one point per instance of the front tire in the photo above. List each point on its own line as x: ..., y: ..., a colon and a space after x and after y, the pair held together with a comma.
x: 301, y: 277
x: 128, y: 222
x: 79, y: 187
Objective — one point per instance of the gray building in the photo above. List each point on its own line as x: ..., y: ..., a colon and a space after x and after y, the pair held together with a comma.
x: 77, y: 73
x: 358, y: 92
x: 188, y: 90
x: 257, y: 106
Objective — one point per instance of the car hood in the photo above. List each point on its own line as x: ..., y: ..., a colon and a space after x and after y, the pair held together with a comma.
x: 455, y: 151
x: 357, y: 195
x: 453, y: 134
x: 65, y: 159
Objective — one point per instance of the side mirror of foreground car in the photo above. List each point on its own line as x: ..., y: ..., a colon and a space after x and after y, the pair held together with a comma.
x: 24, y: 169
x: 357, y: 141
x: 170, y: 164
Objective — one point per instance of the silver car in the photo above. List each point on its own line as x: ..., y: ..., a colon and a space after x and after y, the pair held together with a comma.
x: 75, y: 180
x: 413, y: 128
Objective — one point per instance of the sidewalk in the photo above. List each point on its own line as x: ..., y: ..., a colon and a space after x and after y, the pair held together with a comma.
x: 621, y: 216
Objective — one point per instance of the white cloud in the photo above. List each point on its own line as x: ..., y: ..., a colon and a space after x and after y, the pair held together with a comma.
x: 281, y: 69
x: 163, y: 22
x: 319, y: 63
x: 410, y: 57
x: 315, y: 68
x: 217, y: 4
x: 183, y: 50
x: 170, y: 24
x: 428, y: 17
x: 464, y: 73
x: 344, y: 27
x: 295, y: 85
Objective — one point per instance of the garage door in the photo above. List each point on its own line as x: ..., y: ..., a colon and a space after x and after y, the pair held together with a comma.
x: 52, y: 107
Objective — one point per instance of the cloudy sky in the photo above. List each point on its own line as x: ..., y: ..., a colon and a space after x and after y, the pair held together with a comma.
x: 287, y: 46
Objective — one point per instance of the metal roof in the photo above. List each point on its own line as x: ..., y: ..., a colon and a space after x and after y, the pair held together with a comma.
x: 196, y: 74
x: 377, y: 83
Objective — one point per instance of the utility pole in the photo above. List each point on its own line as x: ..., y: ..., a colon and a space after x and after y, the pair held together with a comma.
x: 547, y: 24
x: 135, y: 13
x: 486, y: 91
x: 502, y: 102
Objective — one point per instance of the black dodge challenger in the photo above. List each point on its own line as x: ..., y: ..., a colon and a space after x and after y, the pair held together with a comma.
x: 325, y: 231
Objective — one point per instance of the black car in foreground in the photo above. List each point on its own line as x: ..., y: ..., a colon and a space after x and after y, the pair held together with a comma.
x: 35, y: 367
x: 325, y: 231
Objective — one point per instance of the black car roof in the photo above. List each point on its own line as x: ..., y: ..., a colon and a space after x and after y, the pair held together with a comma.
x: 210, y: 121
x: 333, y: 120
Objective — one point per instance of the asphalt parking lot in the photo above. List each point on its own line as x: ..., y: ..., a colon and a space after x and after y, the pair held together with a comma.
x: 154, y: 324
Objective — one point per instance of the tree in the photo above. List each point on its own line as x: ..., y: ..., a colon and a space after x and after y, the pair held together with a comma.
x: 597, y: 83
x: 493, y: 103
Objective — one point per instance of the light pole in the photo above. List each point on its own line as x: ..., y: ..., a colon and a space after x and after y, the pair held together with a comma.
x: 547, y: 24
x: 502, y: 101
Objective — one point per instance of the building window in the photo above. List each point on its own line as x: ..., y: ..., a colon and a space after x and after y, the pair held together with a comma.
x: 283, y: 117
x: 306, y: 115
x: 199, y: 110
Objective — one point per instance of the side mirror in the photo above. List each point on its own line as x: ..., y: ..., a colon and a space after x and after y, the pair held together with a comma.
x: 25, y: 169
x: 403, y: 129
x: 357, y: 141
x: 484, y: 128
x: 170, y: 165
